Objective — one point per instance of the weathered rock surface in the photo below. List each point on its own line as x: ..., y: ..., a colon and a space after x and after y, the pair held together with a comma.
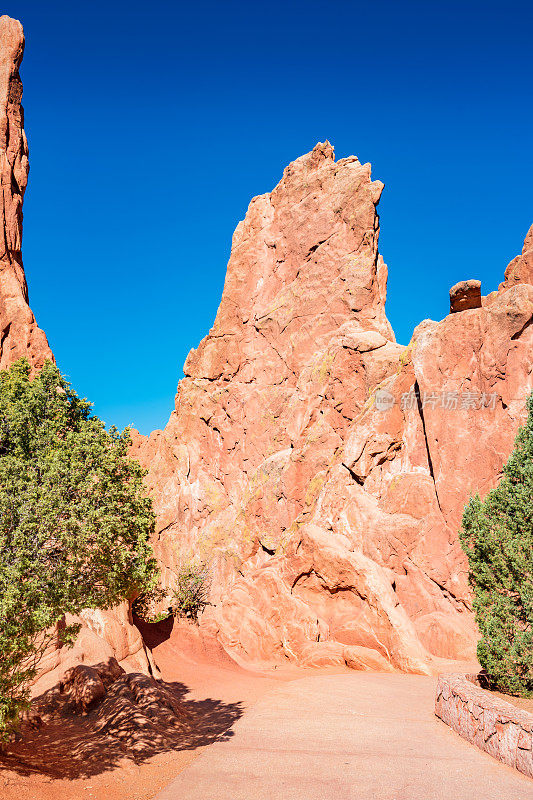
x: 465, y: 295
x: 130, y: 707
x: 129, y: 715
x: 103, y: 635
x: 87, y: 686
x: 520, y: 270
x: 19, y: 333
x: 320, y: 466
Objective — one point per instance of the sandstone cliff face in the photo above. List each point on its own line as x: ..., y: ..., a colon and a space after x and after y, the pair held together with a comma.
x: 19, y: 333
x: 321, y: 467
x: 103, y: 635
x: 520, y: 270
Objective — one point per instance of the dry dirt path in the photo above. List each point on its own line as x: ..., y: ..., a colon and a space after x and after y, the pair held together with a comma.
x: 359, y: 736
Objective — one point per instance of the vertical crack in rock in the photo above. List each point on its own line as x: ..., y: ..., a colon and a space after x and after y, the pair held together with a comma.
x: 428, y: 452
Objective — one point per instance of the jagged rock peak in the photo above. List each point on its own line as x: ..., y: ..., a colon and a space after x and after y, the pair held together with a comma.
x: 321, y: 468
x: 304, y: 262
x: 520, y: 270
x: 12, y: 37
x: 19, y: 333
x: 322, y: 151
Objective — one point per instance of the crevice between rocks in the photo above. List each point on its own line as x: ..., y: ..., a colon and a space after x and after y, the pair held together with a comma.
x: 428, y: 453
x: 4, y: 335
x: 357, y: 478
x: 260, y: 332
x: 519, y: 333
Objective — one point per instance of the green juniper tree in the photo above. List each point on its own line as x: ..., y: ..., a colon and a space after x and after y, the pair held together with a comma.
x: 74, y: 521
x: 497, y: 536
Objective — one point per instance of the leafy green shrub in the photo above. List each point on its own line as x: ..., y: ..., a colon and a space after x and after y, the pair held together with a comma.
x: 74, y: 521
x: 497, y: 536
x: 191, y: 594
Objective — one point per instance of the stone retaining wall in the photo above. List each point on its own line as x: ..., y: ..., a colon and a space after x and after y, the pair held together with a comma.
x: 501, y: 729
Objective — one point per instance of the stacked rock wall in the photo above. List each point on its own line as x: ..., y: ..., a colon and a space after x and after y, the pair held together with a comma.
x: 500, y: 729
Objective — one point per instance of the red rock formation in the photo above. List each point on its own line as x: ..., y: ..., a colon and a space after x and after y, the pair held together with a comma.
x: 103, y: 635
x: 465, y: 295
x: 19, y: 333
x: 263, y: 407
x: 520, y: 270
x: 420, y: 464
x: 320, y: 466
x: 300, y: 338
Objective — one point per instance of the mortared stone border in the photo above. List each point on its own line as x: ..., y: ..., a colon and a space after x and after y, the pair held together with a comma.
x: 495, y: 726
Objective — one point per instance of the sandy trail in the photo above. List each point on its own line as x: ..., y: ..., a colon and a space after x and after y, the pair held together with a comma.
x: 290, y: 734
x: 360, y: 736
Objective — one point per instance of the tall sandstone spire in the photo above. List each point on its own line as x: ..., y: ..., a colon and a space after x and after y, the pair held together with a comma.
x: 19, y: 332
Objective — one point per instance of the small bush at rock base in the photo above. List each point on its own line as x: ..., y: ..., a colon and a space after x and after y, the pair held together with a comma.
x: 191, y: 594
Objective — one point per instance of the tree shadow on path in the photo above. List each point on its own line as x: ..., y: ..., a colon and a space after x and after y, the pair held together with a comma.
x: 139, y: 718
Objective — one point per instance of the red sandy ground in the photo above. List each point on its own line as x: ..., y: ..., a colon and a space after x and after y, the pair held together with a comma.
x: 64, y: 760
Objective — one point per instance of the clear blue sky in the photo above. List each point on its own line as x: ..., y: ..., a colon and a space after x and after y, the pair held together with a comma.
x: 151, y: 125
